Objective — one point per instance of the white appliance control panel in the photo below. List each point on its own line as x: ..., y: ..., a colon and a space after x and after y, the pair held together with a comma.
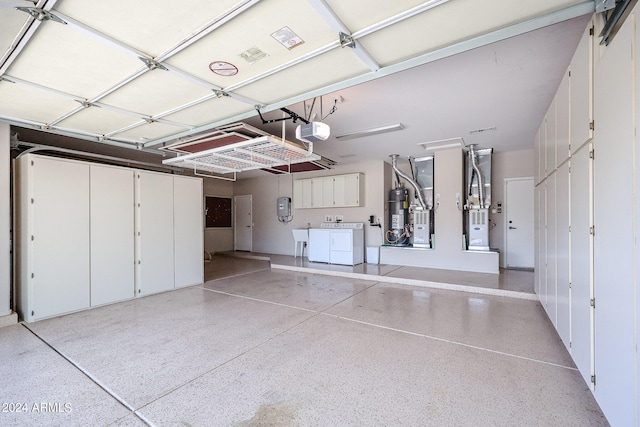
x: 347, y: 225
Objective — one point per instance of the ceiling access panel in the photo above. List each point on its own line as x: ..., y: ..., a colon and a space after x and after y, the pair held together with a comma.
x: 212, y: 110
x: 152, y: 26
x: 254, y: 29
x: 155, y: 92
x: 450, y: 23
x: 61, y: 58
x: 28, y: 103
x: 96, y: 120
x: 329, y: 68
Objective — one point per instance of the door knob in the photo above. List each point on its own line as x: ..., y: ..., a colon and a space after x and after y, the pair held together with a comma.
x: 512, y: 228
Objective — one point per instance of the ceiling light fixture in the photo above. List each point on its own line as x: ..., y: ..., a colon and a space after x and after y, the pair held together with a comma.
x: 372, y: 131
x: 442, y: 144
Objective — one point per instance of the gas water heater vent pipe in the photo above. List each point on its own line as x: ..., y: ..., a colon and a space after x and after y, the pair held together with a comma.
x: 474, y: 163
x: 394, y: 165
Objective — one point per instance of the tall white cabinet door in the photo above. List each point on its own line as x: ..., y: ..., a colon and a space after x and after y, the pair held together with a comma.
x: 154, y: 233
x: 542, y: 247
x: 551, y: 301
x: 581, y: 311
x: 614, y: 258
x: 582, y: 90
x: 562, y: 120
x: 537, y: 266
x: 112, y: 238
x: 189, y: 231
x: 60, y: 243
x: 562, y: 254
x: 550, y: 162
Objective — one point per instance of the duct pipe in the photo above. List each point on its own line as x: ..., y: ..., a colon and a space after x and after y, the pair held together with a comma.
x: 394, y: 165
x: 474, y: 163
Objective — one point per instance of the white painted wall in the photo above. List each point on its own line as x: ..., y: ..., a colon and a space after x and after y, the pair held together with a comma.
x: 509, y: 164
x: 271, y: 236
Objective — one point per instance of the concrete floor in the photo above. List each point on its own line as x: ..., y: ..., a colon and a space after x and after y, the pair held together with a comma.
x: 260, y: 346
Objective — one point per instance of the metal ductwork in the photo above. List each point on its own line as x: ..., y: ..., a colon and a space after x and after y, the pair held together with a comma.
x: 473, y: 156
x: 416, y: 187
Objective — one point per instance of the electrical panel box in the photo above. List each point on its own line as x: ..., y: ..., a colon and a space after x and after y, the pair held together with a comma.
x: 284, y: 206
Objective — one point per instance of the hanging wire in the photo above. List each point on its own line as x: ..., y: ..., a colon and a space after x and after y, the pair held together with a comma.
x: 309, y: 113
x: 333, y: 109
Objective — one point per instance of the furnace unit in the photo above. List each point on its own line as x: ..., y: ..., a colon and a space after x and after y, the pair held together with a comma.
x: 478, y: 194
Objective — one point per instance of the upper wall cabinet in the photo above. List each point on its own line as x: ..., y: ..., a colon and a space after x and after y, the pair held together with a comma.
x: 329, y: 191
x: 562, y: 121
x: 550, y: 162
x: 581, y: 77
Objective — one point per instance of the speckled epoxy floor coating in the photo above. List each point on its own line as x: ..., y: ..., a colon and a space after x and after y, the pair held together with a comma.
x: 279, y: 348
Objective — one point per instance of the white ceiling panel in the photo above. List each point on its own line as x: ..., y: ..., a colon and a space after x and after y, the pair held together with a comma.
x: 144, y: 67
x: 148, y: 132
x: 359, y: 14
x: 32, y: 104
x: 97, y: 120
x: 336, y: 65
x: 155, y: 92
x: 253, y: 29
x: 433, y: 29
x: 208, y: 111
x: 152, y: 26
x: 61, y: 58
x: 12, y: 21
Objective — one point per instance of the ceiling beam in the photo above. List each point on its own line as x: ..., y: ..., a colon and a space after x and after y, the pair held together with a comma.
x: 336, y: 24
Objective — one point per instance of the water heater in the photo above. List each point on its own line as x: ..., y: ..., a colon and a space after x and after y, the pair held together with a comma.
x: 398, y: 216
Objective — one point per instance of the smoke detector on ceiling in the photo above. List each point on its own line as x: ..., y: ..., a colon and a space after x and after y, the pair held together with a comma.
x: 313, y: 132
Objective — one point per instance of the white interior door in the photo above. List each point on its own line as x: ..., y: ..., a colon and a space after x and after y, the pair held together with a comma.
x: 519, y: 206
x: 243, y: 224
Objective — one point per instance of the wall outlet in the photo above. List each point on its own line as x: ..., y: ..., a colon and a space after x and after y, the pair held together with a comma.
x: 328, y: 218
x: 339, y: 218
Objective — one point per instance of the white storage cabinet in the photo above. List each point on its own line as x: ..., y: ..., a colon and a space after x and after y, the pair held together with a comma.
x: 89, y: 234
x: 329, y: 191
